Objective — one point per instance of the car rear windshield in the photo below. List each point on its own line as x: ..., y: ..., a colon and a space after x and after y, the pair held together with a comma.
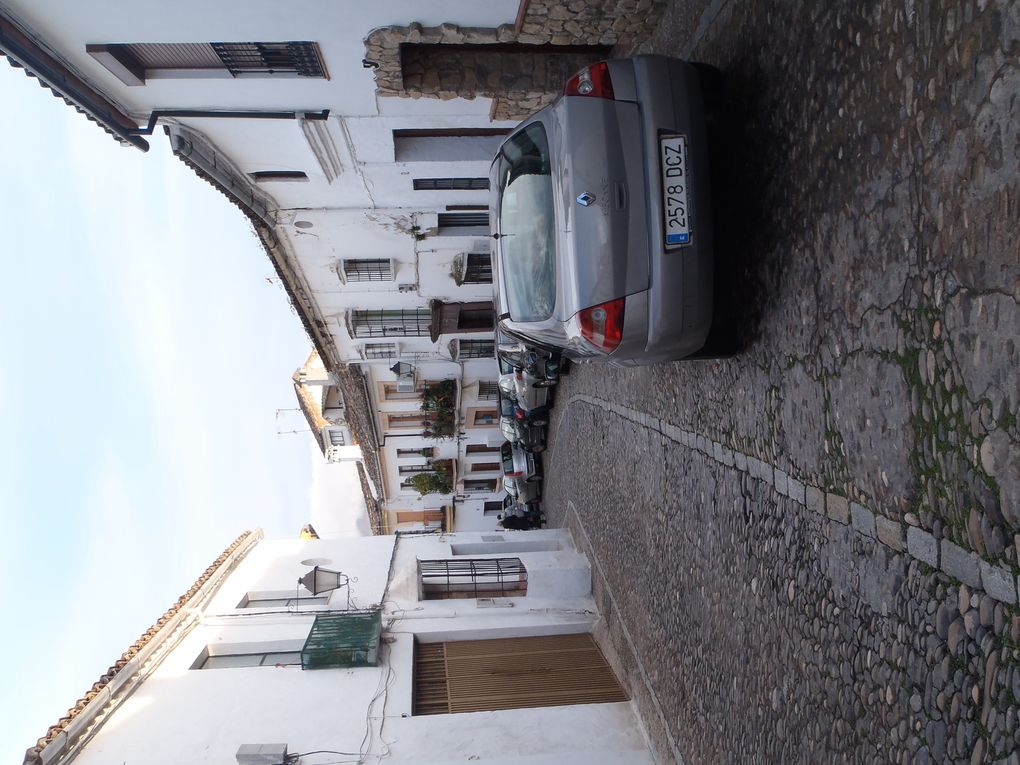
x: 527, y: 225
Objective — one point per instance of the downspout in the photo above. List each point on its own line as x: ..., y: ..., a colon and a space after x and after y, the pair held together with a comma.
x: 158, y: 114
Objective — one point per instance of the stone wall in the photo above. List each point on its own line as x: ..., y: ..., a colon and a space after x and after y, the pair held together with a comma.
x: 501, y: 63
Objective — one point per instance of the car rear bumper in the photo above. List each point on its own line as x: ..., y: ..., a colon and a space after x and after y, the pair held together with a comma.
x: 673, y: 317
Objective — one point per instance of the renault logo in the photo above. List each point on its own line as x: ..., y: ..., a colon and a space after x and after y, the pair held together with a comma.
x: 584, y: 199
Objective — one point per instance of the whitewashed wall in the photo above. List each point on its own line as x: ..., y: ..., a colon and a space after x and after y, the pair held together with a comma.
x: 202, y: 716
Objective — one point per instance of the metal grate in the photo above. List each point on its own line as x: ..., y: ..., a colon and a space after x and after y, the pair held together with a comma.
x: 488, y: 390
x: 392, y: 323
x: 473, y: 578
x: 343, y: 640
x: 300, y: 58
x: 476, y: 349
x: 478, y: 269
x: 369, y: 270
x: 463, y: 219
x: 336, y: 438
x: 380, y: 350
x: 451, y: 184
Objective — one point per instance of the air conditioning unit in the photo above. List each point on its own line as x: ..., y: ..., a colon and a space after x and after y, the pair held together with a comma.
x: 405, y: 385
x: 261, y: 754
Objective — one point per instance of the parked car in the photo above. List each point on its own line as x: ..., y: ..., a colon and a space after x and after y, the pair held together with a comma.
x: 602, y: 216
x: 545, y: 365
x: 518, y: 463
x: 522, y: 491
x: 519, y: 429
x: 530, y: 513
x: 532, y: 397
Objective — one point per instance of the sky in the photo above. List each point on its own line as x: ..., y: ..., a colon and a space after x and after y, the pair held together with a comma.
x: 147, y: 414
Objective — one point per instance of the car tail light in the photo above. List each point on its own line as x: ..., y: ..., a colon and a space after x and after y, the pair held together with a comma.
x: 592, y: 81
x: 602, y: 325
x: 519, y: 414
x: 515, y: 474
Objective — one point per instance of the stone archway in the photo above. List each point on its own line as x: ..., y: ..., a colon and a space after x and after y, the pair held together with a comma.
x: 521, y: 66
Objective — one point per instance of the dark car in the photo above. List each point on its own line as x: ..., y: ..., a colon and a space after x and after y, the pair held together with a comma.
x: 518, y: 428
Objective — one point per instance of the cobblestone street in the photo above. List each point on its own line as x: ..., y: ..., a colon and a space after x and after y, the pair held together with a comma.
x: 809, y: 552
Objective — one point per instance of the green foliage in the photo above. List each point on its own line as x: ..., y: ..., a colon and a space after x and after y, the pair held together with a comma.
x: 439, y: 403
x: 436, y: 481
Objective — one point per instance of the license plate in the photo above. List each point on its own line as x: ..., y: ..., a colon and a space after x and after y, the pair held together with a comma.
x: 675, y: 183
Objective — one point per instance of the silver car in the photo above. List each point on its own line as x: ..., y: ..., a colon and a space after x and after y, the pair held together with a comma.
x: 531, y: 394
x: 602, y: 213
x: 522, y: 491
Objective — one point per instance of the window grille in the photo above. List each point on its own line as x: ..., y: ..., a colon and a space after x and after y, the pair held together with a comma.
x: 379, y: 350
x: 478, y: 269
x: 369, y: 270
x: 392, y: 323
x: 476, y: 349
x: 463, y: 219
x: 342, y: 640
x: 473, y: 578
x: 451, y: 184
x: 425, y: 451
x: 480, y: 486
x: 300, y: 58
x: 488, y: 390
x: 336, y: 438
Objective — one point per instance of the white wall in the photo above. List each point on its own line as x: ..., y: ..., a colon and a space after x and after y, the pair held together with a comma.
x: 202, y: 716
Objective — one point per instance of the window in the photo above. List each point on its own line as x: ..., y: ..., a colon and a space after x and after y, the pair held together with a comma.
x: 281, y: 599
x: 527, y: 226
x: 447, y: 144
x: 336, y: 438
x: 484, y: 417
x: 481, y: 448
x: 343, y: 640
x: 480, y: 485
x: 260, y: 659
x: 267, y: 176
x: 476, y: 349
x: 492, y: 508
x: 511, y: 673
x: 379, y: 350
x: 135, y: 63
x: 425, y: 451
x: 478, y: 269
x: 463, y: 219
x: 488, y: 390
x: 414, y: 469
x: 392, y: 323
x: 484, y: 467
x: 451, y: 184
x: 392, y: 391
x: 472, y: 578
x: 369, y: 270
x: 405, y: 421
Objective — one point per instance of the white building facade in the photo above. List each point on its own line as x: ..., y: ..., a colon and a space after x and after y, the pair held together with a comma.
x: 437, y: 648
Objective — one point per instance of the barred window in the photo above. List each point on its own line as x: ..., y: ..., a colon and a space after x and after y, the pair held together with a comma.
x: 478, y: 269
x: 392, y: 323
x: 134, y: 63
x: 336, y: 438
x: 488, y: 390
x: 369, y: 270
x: 379, y: 350
x: 473, y: 578
x: 451, y: 184
x: 476, y: 349
x: 424, y: 451
x: 463, y: 219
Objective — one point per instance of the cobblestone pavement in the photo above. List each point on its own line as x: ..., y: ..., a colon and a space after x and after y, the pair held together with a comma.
x: 812, y: 547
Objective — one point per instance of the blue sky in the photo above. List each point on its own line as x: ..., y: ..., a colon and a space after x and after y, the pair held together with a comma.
x: 146, y: 348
